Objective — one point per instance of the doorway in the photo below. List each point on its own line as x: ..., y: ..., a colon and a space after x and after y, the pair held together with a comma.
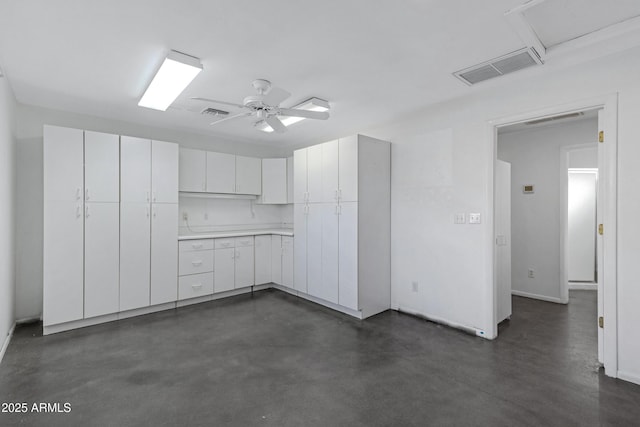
x: 604, y: 123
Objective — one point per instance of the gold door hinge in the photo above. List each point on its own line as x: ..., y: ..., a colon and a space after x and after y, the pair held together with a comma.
x: 600, y: 229
x: 601, y: 322
x: 601, y: 136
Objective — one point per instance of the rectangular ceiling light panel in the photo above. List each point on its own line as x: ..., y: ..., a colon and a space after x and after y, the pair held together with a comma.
x: 514, y: 61
x: 174, y: 75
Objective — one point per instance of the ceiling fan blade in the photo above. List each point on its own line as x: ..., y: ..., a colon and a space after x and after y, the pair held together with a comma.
x: 215, y: 101
x: 233, y: 116
x: 275, y: 124
x: 276, y: 96
x: 290, y: 112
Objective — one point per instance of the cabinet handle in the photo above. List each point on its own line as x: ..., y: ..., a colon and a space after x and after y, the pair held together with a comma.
x: 196, y: 245
x: 78, y: 193
x: 148, y: 196
x: 78, y: 212
x: 196, y: 263
x: 86, y: 212
x: 86, y: 194
x: 336, y: 195
x: 336, y: 212
x: 154, y: 196
x: 306, y: 196
x: 339, y: 193
x: 196, y: 285
x: 154, y: 212
x: 147, y: 211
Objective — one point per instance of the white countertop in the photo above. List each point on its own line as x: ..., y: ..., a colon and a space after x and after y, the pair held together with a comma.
x: 236, y: 233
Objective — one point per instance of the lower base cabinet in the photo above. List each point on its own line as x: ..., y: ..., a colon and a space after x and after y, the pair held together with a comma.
x: 195, y: 285
x: 287, y: 262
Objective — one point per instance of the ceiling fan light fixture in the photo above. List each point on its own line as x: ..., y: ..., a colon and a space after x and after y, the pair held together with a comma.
x: 176, y: 73
x: 263, y: 126
x: 312, y: 104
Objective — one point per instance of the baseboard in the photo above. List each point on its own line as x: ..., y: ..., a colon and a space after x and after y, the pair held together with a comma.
x: 27, y: 320
x: 629, y: 377
x: 582, y: 286
x: 468, y: 329
x: 5, y: 345
x: 539, y: 297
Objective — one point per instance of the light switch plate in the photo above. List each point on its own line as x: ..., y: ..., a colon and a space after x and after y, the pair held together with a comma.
x: 474, y: 218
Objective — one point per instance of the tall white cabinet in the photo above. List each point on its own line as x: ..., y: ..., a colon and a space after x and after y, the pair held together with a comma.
x: 342, y: 222
x: 110, y: 225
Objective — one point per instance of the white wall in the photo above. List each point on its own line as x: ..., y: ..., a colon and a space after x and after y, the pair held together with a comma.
x: 449, y: 150
x: 212, y: 214
x: 536, y: 219
x: 7, y: 209
x: 30, y: 121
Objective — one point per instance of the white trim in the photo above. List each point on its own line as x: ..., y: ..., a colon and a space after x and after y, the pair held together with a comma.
x: 28, y: 320
x: 7, y: 340
x: 629, y: 377
x: 582, y: 286
x: 539, y: 297
x: 442, y: 321
x: 609, y: 105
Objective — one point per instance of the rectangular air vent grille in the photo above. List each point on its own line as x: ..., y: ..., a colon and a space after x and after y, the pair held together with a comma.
x: 214, y: 112
x: 514, y: 61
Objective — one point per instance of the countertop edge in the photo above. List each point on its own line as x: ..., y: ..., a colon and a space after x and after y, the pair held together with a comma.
x: 241, y: 233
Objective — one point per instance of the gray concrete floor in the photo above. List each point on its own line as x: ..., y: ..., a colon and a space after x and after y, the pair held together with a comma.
x: 276, y: 360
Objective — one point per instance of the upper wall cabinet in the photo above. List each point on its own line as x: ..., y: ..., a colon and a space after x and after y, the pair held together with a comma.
x: 164, y: 172
x: 211, y: 172
x: 193, y: 170
x: 274, y: 181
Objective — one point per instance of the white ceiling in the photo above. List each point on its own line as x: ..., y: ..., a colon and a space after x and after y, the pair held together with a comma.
x: 374, y: 61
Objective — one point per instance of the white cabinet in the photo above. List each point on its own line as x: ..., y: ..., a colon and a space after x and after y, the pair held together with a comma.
x: 195, y: 285
x: 342, y: 256
x: 274, y: 181
x: 135, y: 254
x: 193, y: 170
x: 195, y: 268
x: 224, y: 274
x: 290, y: 179
x: 276, y: 259
x: 164, y: 253
x: 135, y: 170
x: 164, y: 172
x: 81, y: 224
x: 300, y: 247
x: 101, y: 259
x: 262, y: 259
x: 221, y: 173
x: 248, y: 175
x: 287, y: 261
x: 244, y: 266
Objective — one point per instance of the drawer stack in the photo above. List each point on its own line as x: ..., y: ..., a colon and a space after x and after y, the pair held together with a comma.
x: 195, y: 268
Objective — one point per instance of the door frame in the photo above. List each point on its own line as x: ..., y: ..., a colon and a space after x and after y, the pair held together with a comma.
x: 608, y: 184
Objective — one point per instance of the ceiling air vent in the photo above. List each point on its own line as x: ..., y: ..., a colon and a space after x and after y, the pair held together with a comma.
x: 514, y: 61
x: 214, y: 112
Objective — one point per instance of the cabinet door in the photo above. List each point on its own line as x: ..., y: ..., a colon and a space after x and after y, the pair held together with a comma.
x: 164, y: 252
x: 224, y: 270
x: 192, y: 170
x: 63, y: 262
x: 330, y: 152
x: 314, y: 250
x: 300, y: 247
x: 348, y: 170
x: 276, y: 259
x: 314, y: 173
x: 248, y: 175
x: 101, y: 167
x: 348, y: 250
x: 135, y: 255
x: 263, y: 259
x: 287, y: 261
x: 300, y: 176
x: 101, y: 259
x: 289, y: 179
x: 135, y: 170
x: 329, y: 284
x: 164, y: 172
x: 221, y: 173
x: 63, y: 161
x: 274, y: 181
x: 244, y: 267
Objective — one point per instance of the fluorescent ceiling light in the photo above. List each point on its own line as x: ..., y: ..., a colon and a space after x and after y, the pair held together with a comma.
x: 313, y: 104
x: 174, y: 75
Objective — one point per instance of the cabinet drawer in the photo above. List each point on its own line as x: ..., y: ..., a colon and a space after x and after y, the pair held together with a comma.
x: 225, y: 243
x: 196, y: 285
x: 244, y: 241
x: 195, y: 245
x: 195, y: 262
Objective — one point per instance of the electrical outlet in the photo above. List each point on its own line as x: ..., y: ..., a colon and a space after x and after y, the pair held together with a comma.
x: 474, y: 218
x: 185, y: 216
x: 459, y: 218
x: 414, y: 286
x: 530, y: 273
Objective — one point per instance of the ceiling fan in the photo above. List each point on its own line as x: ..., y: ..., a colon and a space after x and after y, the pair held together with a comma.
x: 265, y: 107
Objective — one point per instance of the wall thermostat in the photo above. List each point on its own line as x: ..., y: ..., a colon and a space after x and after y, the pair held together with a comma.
x: 527, y: 189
